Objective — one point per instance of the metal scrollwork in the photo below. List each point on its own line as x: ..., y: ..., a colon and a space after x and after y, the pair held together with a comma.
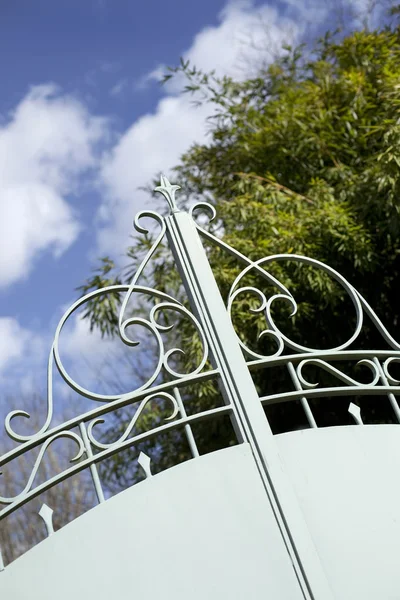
x: 145, y: 394
x: 288, y: 352
x: 133, y: 421
x: 286, y: 296
x: 261, y: 308
x: 65, y: 434
x: 259, y: 267
x: 166, y: 302
x: 159, y: 316
x: 386, y: 365
x: 336, y: 372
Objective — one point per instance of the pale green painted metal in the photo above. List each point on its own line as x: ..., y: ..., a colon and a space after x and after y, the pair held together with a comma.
x: 232, y: 364
x: 239, y: 392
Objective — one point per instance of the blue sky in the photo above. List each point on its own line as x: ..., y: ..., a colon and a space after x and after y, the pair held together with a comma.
x: 98, y: 52
x: 84, y: 123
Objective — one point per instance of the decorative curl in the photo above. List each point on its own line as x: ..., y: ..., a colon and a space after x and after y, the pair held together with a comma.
x: 167, y: 302
x: 288, y: 297
x: 28, y: 487
x: 183, y: 311
x: 122, y: 325
x: 133, y: 421
x: 359, y: 303
x: 337, y: 373
x: 386, y: 365
x: 266, y: 332
x: 205, y: 208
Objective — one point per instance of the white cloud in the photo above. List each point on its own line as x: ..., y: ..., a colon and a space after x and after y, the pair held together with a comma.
x: 22, y: 365
x: 78, y: 341
x: 156, y: 141
x: 105, y: 365
x: 153, y: 142
x: 45, y: 145
x: 156, y: 74
x: 13, y: 341
x: 241, y: 34
x: 23, y: 358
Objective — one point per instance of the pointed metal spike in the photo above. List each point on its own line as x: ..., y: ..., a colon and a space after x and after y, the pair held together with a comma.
x: 46, y: 513
x: 168, y: 191
x: 355, y: 412
x: 144, y: 461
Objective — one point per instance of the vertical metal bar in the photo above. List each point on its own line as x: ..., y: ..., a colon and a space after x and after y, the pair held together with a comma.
x: 200, y: 308
x: 239, y: 390
x: 1, y: 562
x: 93, y: 469
x: 188, y: 430
x: 303, y: 399
x: 392, y: 398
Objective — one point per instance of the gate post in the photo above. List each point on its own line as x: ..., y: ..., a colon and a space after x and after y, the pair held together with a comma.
x: 238, y: 389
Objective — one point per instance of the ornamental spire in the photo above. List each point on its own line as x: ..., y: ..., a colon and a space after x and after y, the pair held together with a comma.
x: 168, y: 191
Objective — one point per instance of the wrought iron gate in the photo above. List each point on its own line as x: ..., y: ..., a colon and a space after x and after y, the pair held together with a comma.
x: 226, y: 360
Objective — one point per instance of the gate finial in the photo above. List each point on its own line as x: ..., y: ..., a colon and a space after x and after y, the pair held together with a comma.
x: 168, y: 191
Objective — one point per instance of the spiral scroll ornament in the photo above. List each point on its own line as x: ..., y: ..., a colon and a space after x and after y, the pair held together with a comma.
x: 83, y: 429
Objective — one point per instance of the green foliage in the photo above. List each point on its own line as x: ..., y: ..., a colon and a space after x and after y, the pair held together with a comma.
x: 304, y: 158
x: 102, y: 313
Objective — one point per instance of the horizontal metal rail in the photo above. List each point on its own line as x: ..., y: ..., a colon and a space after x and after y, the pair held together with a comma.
x: 113, y: 449
x: 342, y: 355
x: 123, y: 401
x: 378, y: 390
